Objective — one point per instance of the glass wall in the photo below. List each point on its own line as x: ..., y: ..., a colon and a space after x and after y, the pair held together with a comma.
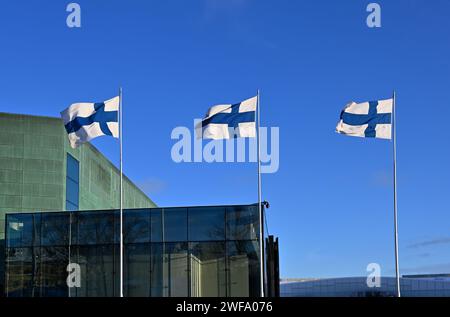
x: 72, y: 183
x: 189, y: 251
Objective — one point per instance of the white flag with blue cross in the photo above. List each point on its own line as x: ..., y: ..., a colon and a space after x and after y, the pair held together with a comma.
x: 229, y: 121
x: 85, y: 121
x: 371, y: 119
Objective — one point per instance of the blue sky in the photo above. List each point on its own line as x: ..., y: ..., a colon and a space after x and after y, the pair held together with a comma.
x: 331, y: 200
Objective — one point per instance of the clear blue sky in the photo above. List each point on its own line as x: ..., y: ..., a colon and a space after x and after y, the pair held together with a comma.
x: 331, y: 200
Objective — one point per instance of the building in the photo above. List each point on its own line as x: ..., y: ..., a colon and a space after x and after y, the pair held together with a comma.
x: 410, y: 286
x: 183, y: 251
x: 39, y: 171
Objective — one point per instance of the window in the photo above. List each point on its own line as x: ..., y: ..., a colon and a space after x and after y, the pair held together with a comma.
x: 243, y: 268
x: 206, y: 224
x: 175, y: 224
x: 136, y: 226
x: 156, y: 270
x: 242, y: 223
x: 156, y: 225
x: 54, y: 229
x: 93, y: 228
x: 72, y: 183
x: 52, y: 271
x: 23, y: 230
x: 137, y: 270
x: 192, y: 251
x: 97, y: 270
x: 175, y: 270
x: 21, y: 273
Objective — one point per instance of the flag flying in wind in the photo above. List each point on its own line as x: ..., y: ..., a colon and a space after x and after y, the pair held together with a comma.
x: 85, y: 121
x: 229, y: 121
x: 371, y: 119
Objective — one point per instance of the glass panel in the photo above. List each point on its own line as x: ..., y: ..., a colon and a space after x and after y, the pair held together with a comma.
x: 72, y: 168
x: 207, y: 263
x: 136, y: 226
x: 243, y: 269
x: 22, y: 230
x: 53, y: 274
x: 70, y: 206
x: 55, y: 229
x: 206, y: 223
x: 242, y: 223
x: 72, y: 184
x: 2, y: 267
x: 206, y: 268
x: 21, y: 277
x: 94, y: 228
x: 156, y: 225
x: 175, y: 224
x: 156, y: 270
x: 72, y: 192
x: 97, y: 271
x: 137, y: 270
x: 175, y: 270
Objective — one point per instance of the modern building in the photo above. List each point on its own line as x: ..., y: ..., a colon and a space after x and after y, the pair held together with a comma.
x: 39, y: 171
x: 183, y: 251
x: 410, y: 285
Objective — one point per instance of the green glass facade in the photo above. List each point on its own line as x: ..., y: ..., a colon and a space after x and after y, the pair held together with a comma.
x: 182, y: 251
x: 35, y: 173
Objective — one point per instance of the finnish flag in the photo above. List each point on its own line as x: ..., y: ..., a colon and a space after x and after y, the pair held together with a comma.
x: 85, y: 121
x: 229, y: 121
x: 371, y: 119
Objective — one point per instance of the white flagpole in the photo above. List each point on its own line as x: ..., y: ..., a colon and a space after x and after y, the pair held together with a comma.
x: 121, y: 193
x: 394, y: 144
x: 261, y: 238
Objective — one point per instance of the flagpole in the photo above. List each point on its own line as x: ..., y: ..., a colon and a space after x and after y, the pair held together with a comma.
x: 261, y: 238
x: 394, y: 151
x: 121, y: 193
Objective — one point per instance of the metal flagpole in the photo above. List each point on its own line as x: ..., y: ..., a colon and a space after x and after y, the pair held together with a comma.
x: 261, y: 238
x: 394, y: 144
x: 121, y: 193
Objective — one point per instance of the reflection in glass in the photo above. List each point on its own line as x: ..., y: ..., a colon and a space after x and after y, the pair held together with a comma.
x: 243, y: 268
x: 206, y: 223
x: 156, y: 225
x: 175, y: 224
x: 52, y: 271
x: 207, y: 266
x: 97, y: 271
x: 156, y: 270
x: 159, y: 260
x: 137, y: 270
x: 72, y: 183
x: 242, y: 223
x: 23, y: 230
x: 136, y: 227
x: 21, y: 277
x: 175, y: 270
x: 93, y: 228
x: 55, y: 229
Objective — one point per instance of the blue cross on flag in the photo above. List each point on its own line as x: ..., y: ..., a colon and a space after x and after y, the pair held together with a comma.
x: 229, y: 121
x: 85, y: 121
x: 371, y: 119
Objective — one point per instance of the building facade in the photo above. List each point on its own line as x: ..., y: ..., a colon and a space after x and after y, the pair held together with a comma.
x: 183, y: 251
x: 39, y: 171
